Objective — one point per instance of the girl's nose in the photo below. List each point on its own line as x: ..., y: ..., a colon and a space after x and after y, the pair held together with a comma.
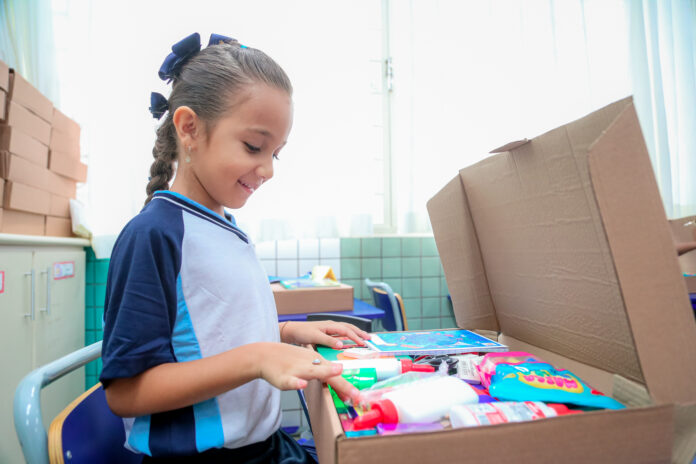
x: 265, y: 170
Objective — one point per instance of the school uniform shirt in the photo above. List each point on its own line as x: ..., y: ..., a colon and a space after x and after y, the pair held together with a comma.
x: 185, y: 283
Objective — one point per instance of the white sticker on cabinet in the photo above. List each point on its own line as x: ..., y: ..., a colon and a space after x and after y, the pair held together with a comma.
x: 63, y: 270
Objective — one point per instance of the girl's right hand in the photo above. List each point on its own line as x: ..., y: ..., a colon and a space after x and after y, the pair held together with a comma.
x: 289, y: 367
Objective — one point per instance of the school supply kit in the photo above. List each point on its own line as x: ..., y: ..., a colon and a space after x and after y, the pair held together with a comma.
x: 557, y: 247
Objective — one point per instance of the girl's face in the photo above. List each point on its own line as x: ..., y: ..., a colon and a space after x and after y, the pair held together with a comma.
x: 237, y: 156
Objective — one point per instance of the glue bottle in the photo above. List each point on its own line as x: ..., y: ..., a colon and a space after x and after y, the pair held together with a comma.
x: 386, y: 367
x: 419, y: 402
x: 472, y: 415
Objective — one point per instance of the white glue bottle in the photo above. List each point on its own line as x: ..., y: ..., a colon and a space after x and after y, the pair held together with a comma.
x: 473, y: 415
x: 386, y: 367
x: 427, y: 401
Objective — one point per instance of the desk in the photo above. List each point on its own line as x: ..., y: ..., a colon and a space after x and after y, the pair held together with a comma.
x: 360, y: 309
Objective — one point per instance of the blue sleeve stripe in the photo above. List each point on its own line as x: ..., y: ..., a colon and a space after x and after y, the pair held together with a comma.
x: 139, y: 437
x: 209, y: 433
x: 184, y: 341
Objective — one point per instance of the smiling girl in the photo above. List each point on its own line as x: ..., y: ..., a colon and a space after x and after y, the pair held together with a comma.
x: 194, y: 358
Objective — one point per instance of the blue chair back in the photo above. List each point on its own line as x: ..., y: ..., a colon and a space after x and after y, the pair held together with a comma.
x: 391, y: 303
x: 87, y: 432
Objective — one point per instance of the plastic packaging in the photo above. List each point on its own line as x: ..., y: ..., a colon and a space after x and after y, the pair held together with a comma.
x: 487, y: 365
x: 376, y: 391
x: 539, y: 381
x: 502, y: 412
x: 467, y: 367
x: 426, y: 401
x: 386, y: 367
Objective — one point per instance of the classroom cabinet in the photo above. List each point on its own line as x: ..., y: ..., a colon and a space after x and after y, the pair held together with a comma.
x: 42, y: 307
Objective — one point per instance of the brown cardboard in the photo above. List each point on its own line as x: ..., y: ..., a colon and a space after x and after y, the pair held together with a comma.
x: 65, y: 125
x: 4, y: 77
x: 2, y: 193
x: 25, y: 121
x: 20, y: 222
x: 561, y: 244
x: 58, y: 227
x: 67, y: 165
x: 18, y: 169
x: 312, y: 300
x: 63, y: 142
x: 3, y: 105
x: 60, y: 185
x: 20, y: 144
x: 22, y: 92
x: 60, y: 206
x: 25, y: 198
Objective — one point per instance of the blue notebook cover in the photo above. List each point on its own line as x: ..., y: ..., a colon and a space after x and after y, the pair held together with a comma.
x: 433, y: 342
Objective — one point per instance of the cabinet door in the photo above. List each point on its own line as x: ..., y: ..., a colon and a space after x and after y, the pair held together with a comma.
x: 16, y: 336
x: 59, y: 328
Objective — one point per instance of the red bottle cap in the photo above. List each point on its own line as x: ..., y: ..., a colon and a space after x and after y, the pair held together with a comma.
x: 407, y: 366
x: 382, y: 411
x: 562, y: 409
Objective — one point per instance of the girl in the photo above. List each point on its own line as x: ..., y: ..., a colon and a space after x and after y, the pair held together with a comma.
x: 193, y: 355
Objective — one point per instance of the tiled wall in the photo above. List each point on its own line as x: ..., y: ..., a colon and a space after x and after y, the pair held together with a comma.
x: 410, y: 265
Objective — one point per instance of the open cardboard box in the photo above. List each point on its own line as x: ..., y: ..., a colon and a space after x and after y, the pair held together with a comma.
x: 684, y: 233
x: 560, y: 244
x: 312, y: 300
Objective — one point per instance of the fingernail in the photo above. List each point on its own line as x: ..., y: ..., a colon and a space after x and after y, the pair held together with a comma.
x: 336, y: 368
x: 339, y: 344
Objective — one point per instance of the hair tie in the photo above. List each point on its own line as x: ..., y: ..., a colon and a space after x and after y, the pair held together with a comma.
x: 158, y: 105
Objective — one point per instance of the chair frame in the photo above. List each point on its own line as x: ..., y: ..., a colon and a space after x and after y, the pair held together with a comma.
x: 27, y: 401
x: 399, y: 317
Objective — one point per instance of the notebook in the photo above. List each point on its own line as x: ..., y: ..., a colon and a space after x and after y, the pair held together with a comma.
x: 433, y: 342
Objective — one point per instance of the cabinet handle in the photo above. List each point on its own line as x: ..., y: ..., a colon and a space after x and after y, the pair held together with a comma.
x: 47, y: 309
x: 32, y: 273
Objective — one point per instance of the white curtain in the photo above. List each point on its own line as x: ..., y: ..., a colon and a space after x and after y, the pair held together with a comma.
x: 663, y: 63
x: 471, y: 76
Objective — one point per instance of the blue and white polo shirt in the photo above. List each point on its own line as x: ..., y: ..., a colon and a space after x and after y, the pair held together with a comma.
x: 185, y: 283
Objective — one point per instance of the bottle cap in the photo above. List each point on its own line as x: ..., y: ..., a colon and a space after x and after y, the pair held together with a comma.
x: 407, y: 366
x: 382, y: 411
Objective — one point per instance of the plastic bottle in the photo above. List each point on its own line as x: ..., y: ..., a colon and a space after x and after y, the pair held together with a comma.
x: 504, y: 411
x: 386, y: 367
x: 418, y: 402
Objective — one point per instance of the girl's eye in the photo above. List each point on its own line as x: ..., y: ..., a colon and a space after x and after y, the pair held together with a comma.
x: 252, y: 148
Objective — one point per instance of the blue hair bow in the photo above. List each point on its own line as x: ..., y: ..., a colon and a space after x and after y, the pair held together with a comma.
x: 158, y: 105
x: 181, y: 52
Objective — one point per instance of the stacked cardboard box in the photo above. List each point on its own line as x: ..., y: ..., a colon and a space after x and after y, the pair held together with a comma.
x: 39, y: 160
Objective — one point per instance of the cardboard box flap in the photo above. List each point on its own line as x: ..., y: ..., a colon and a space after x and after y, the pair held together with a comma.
x: 644, y: 256
x: 459, y: 251
x: 510, y: 146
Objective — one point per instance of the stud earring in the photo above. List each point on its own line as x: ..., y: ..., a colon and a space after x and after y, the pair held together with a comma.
x: 188, y: 155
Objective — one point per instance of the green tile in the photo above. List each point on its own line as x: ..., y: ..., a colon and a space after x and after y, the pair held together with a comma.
x: 89, y: 272
x: 449, y: 322
x: 91, y: 369
x: 412, y: 306
x: 90, y: 381
x: 414, y: 324
x: 371, y: 268
x: 98, y: 335
x: 431, y: 267
x: 89, y: 295
x: 98, y: 317
x: 99, y: 294
x: 411, y: 267
x: 89, y: 318
x: 391, y: 267
x: 101, y: 270
x: 410, y: 246
x: 391, y: 247
x: 443, y: 286
x: 366, y: 293
x: 431, y: 323
x: 355, y: 283
x: 371, y: 247
x: 99, y: 366
x: 429, y: 247
x: 89, y: 254
x: 446, y: 307
x: 350, y: 268
x: 431, y: 307
x: 411, y: 288
x: 90, y: 337
x: 396, y: 285
x: 430, y: 286
x: 350, y: 248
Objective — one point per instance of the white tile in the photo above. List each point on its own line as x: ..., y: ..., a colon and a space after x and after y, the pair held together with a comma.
x: 287, y: 268
x: 306, y: 265
x: 330, y: 248
x: 289, y: 400
x: 309, y: 248
x: 287, y: 249
x: 266, y: 250
x: 335, y: 264
x: 291, y: 419
x: 270, y: 266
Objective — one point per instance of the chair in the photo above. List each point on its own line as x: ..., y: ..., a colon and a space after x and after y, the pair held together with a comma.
x: 361, y: 323
x: 86, y: 431
x: 392, y: 304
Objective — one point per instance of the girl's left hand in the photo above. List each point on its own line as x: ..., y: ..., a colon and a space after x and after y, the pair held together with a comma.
x: 321, y: 333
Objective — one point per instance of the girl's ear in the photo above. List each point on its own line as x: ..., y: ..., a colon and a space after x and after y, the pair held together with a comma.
x: 187, y: 125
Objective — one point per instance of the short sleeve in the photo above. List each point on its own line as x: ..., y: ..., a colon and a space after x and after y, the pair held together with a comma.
x: 141, y: 299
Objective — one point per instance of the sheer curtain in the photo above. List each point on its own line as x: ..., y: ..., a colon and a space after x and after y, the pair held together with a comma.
x: 663, y: 52
x: 472, y: 76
